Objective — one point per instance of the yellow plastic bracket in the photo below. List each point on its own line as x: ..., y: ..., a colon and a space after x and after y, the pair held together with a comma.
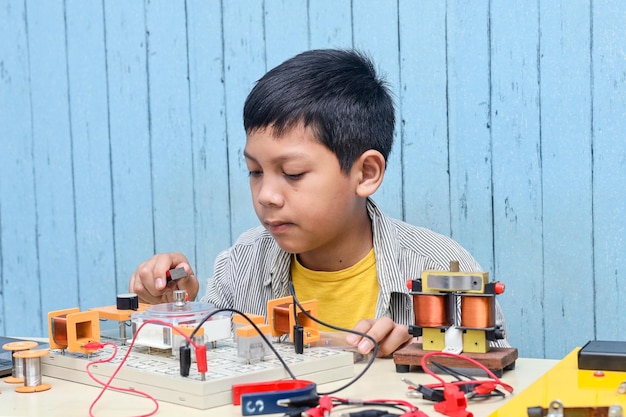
x: 475, y: 341
x: 82, y: 328
x: 255, y: 318
x: 112, y: 312
x: 79, y: 329
x: 433, y: 339
x: 311, y: 331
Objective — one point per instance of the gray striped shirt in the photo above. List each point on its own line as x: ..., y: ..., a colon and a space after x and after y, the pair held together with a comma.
x: 255, y: 269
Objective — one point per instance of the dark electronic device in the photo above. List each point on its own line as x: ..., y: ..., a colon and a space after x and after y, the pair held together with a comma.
x: 603, y: 355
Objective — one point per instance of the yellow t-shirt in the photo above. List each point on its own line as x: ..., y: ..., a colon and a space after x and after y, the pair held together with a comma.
x: 343, y: 297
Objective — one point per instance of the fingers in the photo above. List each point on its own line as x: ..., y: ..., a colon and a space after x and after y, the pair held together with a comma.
x: 188, y: 283
x: 149, y: 281
x: 389, y: 335
x: 398, y: 337
x: 138, y: 281
x: 364, y: 345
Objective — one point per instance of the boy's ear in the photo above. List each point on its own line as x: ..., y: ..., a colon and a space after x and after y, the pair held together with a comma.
x: 371, y: 170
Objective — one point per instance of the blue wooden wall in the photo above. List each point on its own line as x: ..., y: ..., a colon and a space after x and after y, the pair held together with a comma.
x: 121, y: 136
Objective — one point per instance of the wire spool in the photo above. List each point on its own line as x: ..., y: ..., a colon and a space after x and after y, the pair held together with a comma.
x: 431, y: 310
x: 17, y: 364
x: 72, y: 329
x: 32, y: 370
x: 59, y: 329
x: 281, y: 318
x: 478, y: 311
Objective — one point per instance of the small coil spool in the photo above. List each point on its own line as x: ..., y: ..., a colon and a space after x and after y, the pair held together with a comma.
x: 17, y: 364
x: 72, y: 329
x: 32, y: 370
x: 431, y: 310
x: 478, y: 311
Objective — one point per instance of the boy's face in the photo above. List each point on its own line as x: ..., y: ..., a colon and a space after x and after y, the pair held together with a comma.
x: 300, y: 195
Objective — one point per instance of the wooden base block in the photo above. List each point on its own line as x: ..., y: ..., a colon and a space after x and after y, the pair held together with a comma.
x: 497, y: 360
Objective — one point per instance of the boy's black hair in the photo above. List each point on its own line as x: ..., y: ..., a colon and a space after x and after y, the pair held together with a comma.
x: 336, y: 93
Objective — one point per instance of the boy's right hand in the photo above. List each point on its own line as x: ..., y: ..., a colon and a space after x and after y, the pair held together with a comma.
x: 149, y: 280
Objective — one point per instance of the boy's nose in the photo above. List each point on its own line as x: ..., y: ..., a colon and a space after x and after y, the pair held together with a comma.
x: 269, y: 194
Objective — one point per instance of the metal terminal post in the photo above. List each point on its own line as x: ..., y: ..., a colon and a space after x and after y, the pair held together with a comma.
x: 180, y: 298
x: 555, y: 409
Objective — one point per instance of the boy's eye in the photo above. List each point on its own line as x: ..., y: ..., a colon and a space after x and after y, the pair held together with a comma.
x: 254, y: 173
x: 293, y: 176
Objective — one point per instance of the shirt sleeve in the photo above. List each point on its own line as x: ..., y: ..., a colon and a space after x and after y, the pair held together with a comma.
x: 219, y: 290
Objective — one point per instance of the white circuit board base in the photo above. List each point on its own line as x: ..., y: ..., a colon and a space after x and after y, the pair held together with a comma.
x: 157, y: 373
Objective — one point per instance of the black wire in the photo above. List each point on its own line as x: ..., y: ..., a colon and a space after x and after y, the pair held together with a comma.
x: 458, y: 374
x: 295, y: 310
x: 341, y: 329
x: 211, y: 314
x: 346, y: 402
x: 452, y: 372
x: 315, y: 319
x: 395, y: 406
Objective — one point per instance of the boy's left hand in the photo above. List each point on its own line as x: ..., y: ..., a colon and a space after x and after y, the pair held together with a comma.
x: 389, y: 335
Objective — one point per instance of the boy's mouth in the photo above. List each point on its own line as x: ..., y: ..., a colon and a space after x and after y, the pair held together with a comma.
x: 277, y: 227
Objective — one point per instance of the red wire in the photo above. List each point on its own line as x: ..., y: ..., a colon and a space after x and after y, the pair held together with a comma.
x: 107, y: 385
x: 428, y: 355
x: 407, y: 404
x: 346, y: 401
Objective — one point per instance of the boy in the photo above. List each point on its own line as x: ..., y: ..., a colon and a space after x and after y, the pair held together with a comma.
x: 319, y: 128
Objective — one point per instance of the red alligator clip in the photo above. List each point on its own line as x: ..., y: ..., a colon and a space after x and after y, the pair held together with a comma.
x: 454, y: 404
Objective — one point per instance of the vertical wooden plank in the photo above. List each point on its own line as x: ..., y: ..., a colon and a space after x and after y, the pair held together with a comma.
x: 566, y: 172
x: 330, y: 24
x: 517, y: 171
x: 129, y: 136
x: 208, y: 131
x: 244, y: 56
x: 170, y: 131
x: 3, y: 310
x: 423, y: 117
x: 375, y: 29
x: 91, y: 156
x: 20, y: 295
x: 609, y: 167
x: 286, y: 30
x: 53, y: 156
x: 469, y: 124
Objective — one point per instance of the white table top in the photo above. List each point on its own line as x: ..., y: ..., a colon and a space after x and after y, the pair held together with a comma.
x: 69, y: 399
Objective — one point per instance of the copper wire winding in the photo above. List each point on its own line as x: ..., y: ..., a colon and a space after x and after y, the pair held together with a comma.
x: 431, y: 310
x: 478, y: 312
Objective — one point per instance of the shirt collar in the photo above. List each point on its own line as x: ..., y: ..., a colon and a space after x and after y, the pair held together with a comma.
x: 386, y: 250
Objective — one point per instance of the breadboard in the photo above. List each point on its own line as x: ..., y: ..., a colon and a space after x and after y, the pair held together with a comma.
x: 156, y: 371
